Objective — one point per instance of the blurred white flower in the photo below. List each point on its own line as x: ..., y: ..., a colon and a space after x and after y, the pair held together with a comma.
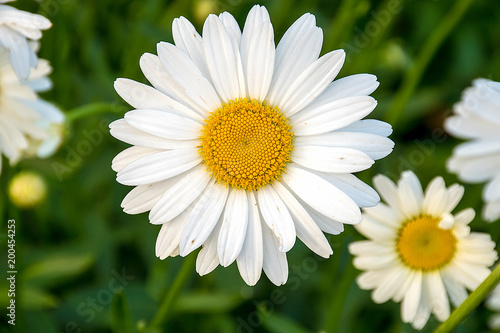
x: 493, y: 303
x: 242, y: 146
x: 477, y: 118
x: 28, y: 125
x: 418, y: 253
x: 16, y: 26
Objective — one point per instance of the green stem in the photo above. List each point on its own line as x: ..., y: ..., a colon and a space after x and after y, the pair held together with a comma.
x: 474, y: 299
x: 93, y: 109
x: 413, y: 76
x: 168, y: 302
x: 334, y: 314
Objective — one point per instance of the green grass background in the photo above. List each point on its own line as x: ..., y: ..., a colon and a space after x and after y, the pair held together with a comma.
x: 70, y: 249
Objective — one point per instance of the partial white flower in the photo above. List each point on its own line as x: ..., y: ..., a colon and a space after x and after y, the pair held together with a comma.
x: 16, y: 27
x: 28, y: 125
x: 493, y: 303
x: 477, y: 118
x: 418, y: 253
x: 242, y: 146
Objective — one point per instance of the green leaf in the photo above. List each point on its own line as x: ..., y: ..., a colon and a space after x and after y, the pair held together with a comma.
x: 34, y: 298
x: 120, y: 314
x: 204, y: 302
x: 55, y: 268
x: 276, y: 323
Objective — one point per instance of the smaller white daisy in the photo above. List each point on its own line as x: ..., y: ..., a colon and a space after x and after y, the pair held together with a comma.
x: 16, y: 26
x: 29, y: 126
x: 477, y: 118
x: 418, y: 253
x: 493, y: 303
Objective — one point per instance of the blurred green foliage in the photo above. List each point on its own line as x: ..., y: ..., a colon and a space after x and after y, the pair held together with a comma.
x: 85, y: 266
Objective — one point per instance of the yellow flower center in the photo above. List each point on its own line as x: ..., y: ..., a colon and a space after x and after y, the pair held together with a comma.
x: 246, y: 144
x: 423, y: 245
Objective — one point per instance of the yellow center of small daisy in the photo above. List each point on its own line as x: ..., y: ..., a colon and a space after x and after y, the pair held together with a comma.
x: 246, y: 143
x: 423, y: 245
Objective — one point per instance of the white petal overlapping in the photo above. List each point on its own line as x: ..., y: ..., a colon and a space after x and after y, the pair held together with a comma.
x: 196, y: 76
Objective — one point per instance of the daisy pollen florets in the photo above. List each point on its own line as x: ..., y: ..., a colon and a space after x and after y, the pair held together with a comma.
x: 246, y: 144
x: 417, y: 252
x: 242, y: 146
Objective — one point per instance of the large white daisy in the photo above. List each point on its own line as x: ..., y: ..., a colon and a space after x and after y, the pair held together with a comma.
x: 477, y: 118
x: 418, y: 253
x: 16, y: 26
x: 29, y: 126
x: 242, y: 146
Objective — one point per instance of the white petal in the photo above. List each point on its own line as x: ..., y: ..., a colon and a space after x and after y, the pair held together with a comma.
x: 207, y: 259
x: 257, y: 54
x: 456, y: 290
x: 123, y: 131
x: 188, y: 77
x: 411, y: 301
x: 277, y: 217
x: 170, y: 234
x: 369, y: 248
x: 164, y: 124
x: 436, y: 197
x: 371, y: 126
x: 324, y: 223
x: 159, y: 166
x: 465, y: 216
x: 311, y: 83
x: 376, y: 262
x: 332, y: 116
x: 143, y: 197
x: 180, y: 195
x: 410, y: 194
x: 129, y: 155
x: 353, y: 85
x: 307, y: 230
x: 491, y: 211
x: 331, y: 159
x: 298, y: 48
x: 424, y: 308
x: 187, y: 39
x: 275, y: 264
x: 234, y: 227
x: 251, y: 256
x: 362, y: 194
x: 204, y: 217
x: 375, y: 146
x: 390, y: 285
x: 377, y: 230
x: 141, y: 96
x: 491, y: 191
x: 387, y: 190
x: 322, y: 196
x: 436, y: 293
x: 223, y: 60
x: 232, y: 27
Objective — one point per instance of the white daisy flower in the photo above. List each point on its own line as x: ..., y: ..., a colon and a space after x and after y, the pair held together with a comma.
x: 493, y: 303
x: 418, y: 253
x: 29, y: 126
x: 477, y: 118
x: 242, y: 146
x: 16, y: 26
